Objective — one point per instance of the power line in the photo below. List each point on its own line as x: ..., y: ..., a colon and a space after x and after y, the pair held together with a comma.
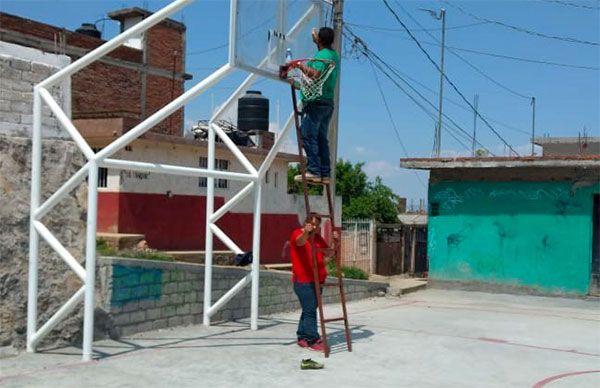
x: 521, y: 29
x: 368, y: 53
x: 543, y: 62
x: 458, y: 104
x: 495, y: 55
x: 446, y: 77
x: 376, y: 28
x: 389, y: 113
x: 570, y: 4
x: 488, y: 77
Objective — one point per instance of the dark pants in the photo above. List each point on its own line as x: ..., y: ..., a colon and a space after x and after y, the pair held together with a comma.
x: 307, y: 327
x: 315, y: 125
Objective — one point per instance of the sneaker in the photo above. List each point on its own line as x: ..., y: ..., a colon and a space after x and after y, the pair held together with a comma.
x: 317, y: 346
x: 310, y: 364
x: 302, y: 343
x: 309, y: 177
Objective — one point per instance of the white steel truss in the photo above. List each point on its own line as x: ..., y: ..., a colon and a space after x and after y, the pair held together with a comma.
x: 253, y: 177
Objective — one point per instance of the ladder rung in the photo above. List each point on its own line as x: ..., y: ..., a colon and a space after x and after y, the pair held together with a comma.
x: 334, y: 319
x: 325, y: 215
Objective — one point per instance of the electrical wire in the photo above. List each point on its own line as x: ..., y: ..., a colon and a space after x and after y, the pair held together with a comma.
x: 521, y: 29
x: 495, y: 55
x: 389, y: 113
x: 481, y: 72
x: 369, y: 54
x: 376, y: 28
x: 448, y: 79
x: 570, y: 4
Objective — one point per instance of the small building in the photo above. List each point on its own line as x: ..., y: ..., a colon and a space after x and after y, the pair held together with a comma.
x: 514, y: 223
x: 580, y: 145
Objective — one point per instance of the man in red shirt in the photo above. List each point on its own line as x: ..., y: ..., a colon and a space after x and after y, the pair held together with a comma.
x: 303, y: 278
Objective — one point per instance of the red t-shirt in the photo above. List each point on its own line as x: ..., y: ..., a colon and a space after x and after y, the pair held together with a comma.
x: 302, y: 263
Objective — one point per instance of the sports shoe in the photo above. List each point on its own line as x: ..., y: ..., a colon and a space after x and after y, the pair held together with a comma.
x: 302, y: 343
x: 309, y: 177
x: 317, y: 346
x: 310, y: 364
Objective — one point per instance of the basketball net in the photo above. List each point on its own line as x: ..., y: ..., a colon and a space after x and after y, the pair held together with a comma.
x: 311, y: 88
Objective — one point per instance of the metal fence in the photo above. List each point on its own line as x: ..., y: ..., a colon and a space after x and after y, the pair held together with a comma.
x: 358, y: 244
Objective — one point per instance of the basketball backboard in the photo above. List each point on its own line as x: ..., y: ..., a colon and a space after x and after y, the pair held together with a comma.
x: 263, y: 31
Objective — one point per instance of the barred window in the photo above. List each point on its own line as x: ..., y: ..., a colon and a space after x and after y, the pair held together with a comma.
x: 222, y: 165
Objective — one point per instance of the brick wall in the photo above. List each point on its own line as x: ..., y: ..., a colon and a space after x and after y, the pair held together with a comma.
x: 113, y: 89
x: 20, y: 69
x: 142, y: 295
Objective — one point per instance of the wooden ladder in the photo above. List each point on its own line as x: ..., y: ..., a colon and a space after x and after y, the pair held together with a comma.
x: 338, y: 264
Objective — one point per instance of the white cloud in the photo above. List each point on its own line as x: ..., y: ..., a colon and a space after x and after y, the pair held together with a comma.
x: 360, y: 150
x: 381, y: 168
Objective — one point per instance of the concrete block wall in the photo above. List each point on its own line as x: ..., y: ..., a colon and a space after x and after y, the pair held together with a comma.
x: 143, y: 295
x: 21, y: 68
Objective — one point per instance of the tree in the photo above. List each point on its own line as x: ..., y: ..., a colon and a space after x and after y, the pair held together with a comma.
x: 360, y: 197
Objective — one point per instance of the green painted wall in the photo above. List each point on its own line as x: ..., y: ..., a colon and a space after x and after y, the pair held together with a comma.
x: 532, y: 234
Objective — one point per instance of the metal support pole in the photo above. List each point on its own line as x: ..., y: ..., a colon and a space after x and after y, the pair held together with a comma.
x: 90, y: 261
x: 438, y: 132
x: 255, y: 256
x: 208, y: 242
x: 533, y: 126
x: 338, y: 25
x: 476, y: 105
x: 34, y: 238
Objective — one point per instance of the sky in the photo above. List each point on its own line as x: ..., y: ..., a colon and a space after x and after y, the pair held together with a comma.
x: 567, y: 98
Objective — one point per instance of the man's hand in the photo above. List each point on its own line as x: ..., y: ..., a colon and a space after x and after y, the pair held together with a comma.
x: 308, y: 228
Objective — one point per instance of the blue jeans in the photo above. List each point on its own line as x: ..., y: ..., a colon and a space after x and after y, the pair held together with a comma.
x: 315, y: 125
x: 307, y: 327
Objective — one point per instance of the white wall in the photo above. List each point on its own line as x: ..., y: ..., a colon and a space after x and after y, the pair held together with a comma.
x: 275, y: 197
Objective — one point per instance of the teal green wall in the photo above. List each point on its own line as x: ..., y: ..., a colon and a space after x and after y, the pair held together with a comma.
x: 531, y: 234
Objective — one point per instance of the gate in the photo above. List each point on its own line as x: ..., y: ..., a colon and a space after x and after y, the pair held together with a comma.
x: 389, y: 249
x: 358, y: 249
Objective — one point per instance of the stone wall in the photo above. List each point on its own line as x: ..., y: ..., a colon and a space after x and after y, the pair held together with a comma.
x: 142, y: 295
x: 66, y: 221
x: 20, y: 69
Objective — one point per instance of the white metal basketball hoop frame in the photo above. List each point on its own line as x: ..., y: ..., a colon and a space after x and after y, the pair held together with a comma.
x: 104, y: 158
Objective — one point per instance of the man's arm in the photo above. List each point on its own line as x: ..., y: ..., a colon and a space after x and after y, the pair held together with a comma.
x: 303, y: 237
x: 310, y: 72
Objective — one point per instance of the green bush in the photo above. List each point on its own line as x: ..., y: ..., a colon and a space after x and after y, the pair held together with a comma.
x: 104, y: 249
x: 347, y: 272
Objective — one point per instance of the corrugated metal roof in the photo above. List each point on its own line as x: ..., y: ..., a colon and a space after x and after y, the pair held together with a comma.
x: 412, y: 219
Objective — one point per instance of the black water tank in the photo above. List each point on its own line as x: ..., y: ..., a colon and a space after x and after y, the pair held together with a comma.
x: 89, y: 29
x: 253, y: 112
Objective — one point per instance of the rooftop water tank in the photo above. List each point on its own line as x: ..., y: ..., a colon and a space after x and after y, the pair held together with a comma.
x: 253, y: 112
x: 89, y: 29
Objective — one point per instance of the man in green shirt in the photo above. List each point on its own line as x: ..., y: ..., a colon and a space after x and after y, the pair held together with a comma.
x: 316, y: 113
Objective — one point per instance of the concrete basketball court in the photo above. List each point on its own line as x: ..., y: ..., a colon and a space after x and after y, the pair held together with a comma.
x: 432, y: 338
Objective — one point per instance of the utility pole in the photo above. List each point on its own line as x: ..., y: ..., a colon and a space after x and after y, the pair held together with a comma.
x: 438, y: 133
x: 476, y: 105
x: 533, y: 127
x: 338, y: 12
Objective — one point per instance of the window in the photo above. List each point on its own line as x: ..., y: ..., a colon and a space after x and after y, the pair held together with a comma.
x: 275, y: 180
x: 102, y: 172
x: 222, y: 165
x: 267, y: 177
x: 103, y: 177
x: 203, y: 163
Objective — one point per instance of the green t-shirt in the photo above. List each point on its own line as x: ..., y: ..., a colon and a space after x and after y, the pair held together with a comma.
x: 329, y: 85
